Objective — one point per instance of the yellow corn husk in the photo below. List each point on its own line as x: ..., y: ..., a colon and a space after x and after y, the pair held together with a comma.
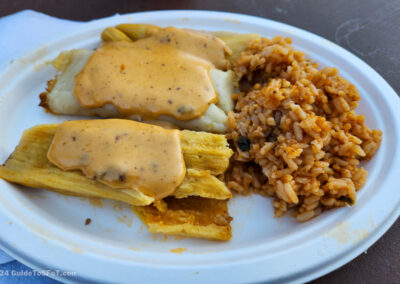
x: 236, y: 42
x: 113, y: 34
x: 190, y: 217
x: 137, y: 31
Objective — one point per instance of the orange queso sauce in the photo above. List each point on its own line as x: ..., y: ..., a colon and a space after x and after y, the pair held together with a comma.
x: 166, y: 73
x: 122, y: 154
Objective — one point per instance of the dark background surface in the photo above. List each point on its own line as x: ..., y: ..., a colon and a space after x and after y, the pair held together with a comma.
x: 368, y: 28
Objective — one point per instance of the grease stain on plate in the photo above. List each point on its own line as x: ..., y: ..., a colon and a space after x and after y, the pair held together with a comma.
x: 40, y: 66
x: 125, y: 219
x: 35, y: 196
x: 117, y: 207
x: 133, y: 248
x: 35, y: 56
x: 160, y: 237
x: 95, y: 202
x: 76, y: 249
x: 178, y: 250
x: 179, y: 238
x: 371, y: 221
x: 235, y: 21
x: 344, y: 234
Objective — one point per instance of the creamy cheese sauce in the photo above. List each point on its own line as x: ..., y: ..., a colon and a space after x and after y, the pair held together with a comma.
x: 166, y: 73
x: 122, y: 154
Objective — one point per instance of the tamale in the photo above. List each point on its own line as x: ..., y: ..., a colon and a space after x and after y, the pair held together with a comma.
x: 28, y: 165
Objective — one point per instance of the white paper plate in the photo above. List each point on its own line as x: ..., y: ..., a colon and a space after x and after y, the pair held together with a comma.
x: 46, y: 231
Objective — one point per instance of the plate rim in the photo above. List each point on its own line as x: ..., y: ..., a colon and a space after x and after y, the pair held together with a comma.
x: 224, y: 15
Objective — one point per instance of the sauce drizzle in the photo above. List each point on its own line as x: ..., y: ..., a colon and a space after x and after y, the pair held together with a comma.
x: 122, y: 154
x: 166, y: 73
